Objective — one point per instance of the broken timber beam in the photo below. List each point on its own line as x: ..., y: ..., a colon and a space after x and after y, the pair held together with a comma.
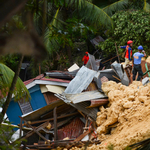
x: 35, y: 129
x: 51, y: 119
x: 55, y: 124
x: 63, y: 144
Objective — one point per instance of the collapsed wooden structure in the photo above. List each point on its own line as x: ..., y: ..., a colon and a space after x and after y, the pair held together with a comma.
x: 69, y: 119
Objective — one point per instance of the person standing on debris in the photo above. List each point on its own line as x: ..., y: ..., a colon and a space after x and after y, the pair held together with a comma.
x: 128, y: 52
x: 137, y: 63
x: 85, y: 58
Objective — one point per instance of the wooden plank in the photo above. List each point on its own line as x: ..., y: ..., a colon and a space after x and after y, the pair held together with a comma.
x: 20, y: 127
x: 65, y: 108
x: 46, y: 98
x: 35, y: 129
x: 66, y: 144
x: 82, y: 136
x: 55, y: 124
x: 51, y: 119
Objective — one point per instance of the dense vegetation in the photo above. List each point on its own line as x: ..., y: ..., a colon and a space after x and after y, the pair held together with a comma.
x: 129, y: 25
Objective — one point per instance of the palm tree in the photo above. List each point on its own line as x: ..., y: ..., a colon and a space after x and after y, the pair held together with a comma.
x: 83, y: 10
x: 11, y: 85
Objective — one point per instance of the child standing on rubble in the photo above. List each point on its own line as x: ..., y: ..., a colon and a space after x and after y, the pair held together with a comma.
x: 128, y: 52
x: 85, y: 58
x: 137, y: 63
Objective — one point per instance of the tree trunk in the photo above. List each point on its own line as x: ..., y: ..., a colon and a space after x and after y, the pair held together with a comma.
x: 69, y: 55
x: 11, y: 90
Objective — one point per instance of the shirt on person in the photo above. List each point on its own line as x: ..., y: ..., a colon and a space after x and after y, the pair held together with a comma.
x: 128, y: 51
x: 137, y: 58
x: 85, y: 59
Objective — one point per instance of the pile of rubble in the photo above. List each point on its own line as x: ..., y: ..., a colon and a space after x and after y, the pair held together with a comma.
x: 72, y: 120
x: 126, y: 120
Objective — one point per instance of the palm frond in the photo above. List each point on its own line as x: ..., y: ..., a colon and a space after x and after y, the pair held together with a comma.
x: 50, y: 41
x: 6, y: 80
x: 119, y: 5
x: 92, y: 13
x: 146, y: 6
x: 96, y: 15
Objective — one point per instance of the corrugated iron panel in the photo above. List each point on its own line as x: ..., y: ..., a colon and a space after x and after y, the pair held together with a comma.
x: 72, y: 130
x: 81, y: 81
x: 84, y: 96
x: 91, y: 64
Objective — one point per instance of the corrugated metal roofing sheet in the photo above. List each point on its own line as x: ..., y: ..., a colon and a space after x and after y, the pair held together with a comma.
x: 81, y: 81
x: 92, y: 63
x: 84, y: 96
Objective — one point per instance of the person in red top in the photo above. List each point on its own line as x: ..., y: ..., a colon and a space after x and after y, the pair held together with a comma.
x: 128, y: 53
x: 85, y: 58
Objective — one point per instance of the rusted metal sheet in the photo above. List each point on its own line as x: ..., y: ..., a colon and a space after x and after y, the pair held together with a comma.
x: 98, y: 102
x: 49, y: 97
x: 81, y: 81
x: 71, y: 130
x: 61, y: 74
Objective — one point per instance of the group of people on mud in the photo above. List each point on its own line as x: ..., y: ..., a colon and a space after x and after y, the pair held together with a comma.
x: 136, y: 60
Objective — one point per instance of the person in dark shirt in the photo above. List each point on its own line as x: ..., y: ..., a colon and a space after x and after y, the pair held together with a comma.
x: 137, y: 63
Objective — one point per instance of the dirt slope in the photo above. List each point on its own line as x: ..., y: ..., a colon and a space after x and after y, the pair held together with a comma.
x: 127, y: 119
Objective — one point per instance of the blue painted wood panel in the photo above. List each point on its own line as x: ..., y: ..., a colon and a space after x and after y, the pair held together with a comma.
x: 37, y: 100
x: 34, y: 89
x: 13, y: 112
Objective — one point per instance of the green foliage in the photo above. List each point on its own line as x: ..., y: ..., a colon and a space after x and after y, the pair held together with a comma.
x: 6, y: 132
x: 6, y: 80
x: 127, y: 148
x: 129, y: 25
x: 110, y: 147
x: 10, y: 60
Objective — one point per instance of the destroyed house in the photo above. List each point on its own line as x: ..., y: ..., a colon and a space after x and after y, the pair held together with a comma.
x: 42, y: 92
